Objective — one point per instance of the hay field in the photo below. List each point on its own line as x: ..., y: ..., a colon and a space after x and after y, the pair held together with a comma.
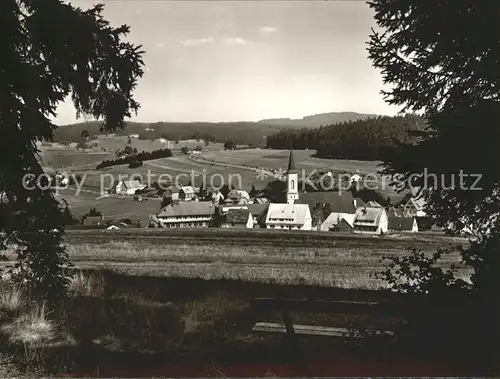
x: 254, y: 256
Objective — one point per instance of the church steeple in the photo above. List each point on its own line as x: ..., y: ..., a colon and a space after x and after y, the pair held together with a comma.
x: 291, y: 162
x: 292, y: 180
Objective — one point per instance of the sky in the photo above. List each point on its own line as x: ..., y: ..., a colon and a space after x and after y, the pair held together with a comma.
x: 248, y: 60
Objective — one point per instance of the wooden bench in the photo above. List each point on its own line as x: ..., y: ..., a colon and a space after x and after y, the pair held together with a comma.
x: 263, y: 305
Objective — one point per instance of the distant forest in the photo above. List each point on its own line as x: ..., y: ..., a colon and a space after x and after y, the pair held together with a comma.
x: 241, y: 133
x: 361, y: 140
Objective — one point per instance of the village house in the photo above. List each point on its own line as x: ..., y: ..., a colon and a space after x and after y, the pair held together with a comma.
x: 371, y: 221
x: 129, y: 187
x: 340, y: 204
x: 259, y: 214
x: 238, y: 218
x: 238, y: 197
x: 289, y: 216
x: 403, y: 224
x: 338, y: 222
x: 185, y: 214
x: 187, y: 193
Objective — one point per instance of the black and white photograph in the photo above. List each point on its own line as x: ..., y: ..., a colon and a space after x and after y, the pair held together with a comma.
x: 249, y: 188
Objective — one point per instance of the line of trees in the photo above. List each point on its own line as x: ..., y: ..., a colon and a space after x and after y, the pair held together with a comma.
x: 140, y: 157
x: 362, y: 139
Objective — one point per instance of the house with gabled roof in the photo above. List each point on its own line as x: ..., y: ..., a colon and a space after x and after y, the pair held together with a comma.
x: 371, y: 221
x: 259, y: 214
x: 288, y: 216
x: 338, y: 222
x: 238, y: 218
x: 187, y: 193
x: 186, y: 214
x: 129, y: 187
x: 403, y: 224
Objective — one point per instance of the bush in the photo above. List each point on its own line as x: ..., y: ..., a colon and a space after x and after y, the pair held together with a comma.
x: 135, y: 164
x: 140, y: 157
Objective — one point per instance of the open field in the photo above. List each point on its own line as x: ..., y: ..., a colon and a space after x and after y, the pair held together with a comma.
x: 112, y: 207
x: 67, y: 158
x: 113, y: 142
x: 275, y: 159
x: 318, y: 259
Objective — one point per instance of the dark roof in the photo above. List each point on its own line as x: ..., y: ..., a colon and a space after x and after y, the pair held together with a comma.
x: 188, y: 208
x: 424, y: 223
x: 257, y: 209
x: 237, y: 216
x: 340, y: 202
x: 291, y: 162
x: 400, y: 223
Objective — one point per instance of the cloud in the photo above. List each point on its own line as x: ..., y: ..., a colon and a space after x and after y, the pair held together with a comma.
x: 234, y: 41
x: 268, y: 29
x: 160, y: 45
x: 198, y: 41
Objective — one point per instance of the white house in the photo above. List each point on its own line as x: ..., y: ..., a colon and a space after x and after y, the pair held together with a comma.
x: 288, y: 216
x: 371, y: 221
x: 129, y: 187
x: 187, y: 193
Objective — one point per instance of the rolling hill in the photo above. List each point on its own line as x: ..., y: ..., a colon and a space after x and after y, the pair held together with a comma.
x: 315, y: 121
x: 242, y: 132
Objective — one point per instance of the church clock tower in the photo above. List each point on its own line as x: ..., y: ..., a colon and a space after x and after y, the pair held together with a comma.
x: 292, y: 179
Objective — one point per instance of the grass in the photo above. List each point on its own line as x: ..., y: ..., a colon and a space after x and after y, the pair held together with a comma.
x: 113, y: 207
x: 345, y: 264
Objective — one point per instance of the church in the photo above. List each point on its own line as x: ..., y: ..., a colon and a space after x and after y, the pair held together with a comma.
x: 289, y: 215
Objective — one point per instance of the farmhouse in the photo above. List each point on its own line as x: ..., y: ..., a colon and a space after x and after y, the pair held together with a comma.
x: 129, y: 187
x: 403, y: 224
x: 259, y: 214
x: 370, y: 220
x: 187, y: 193
x: 190, y: 214
x: 238, y: 218
x: 338, y: 222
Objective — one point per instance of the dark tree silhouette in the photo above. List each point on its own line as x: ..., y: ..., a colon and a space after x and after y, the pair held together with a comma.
x: 229, y: 145
x: 81, y: 55
x: 85, y: 134
x: 253, y: 192
x: 442, y: 58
